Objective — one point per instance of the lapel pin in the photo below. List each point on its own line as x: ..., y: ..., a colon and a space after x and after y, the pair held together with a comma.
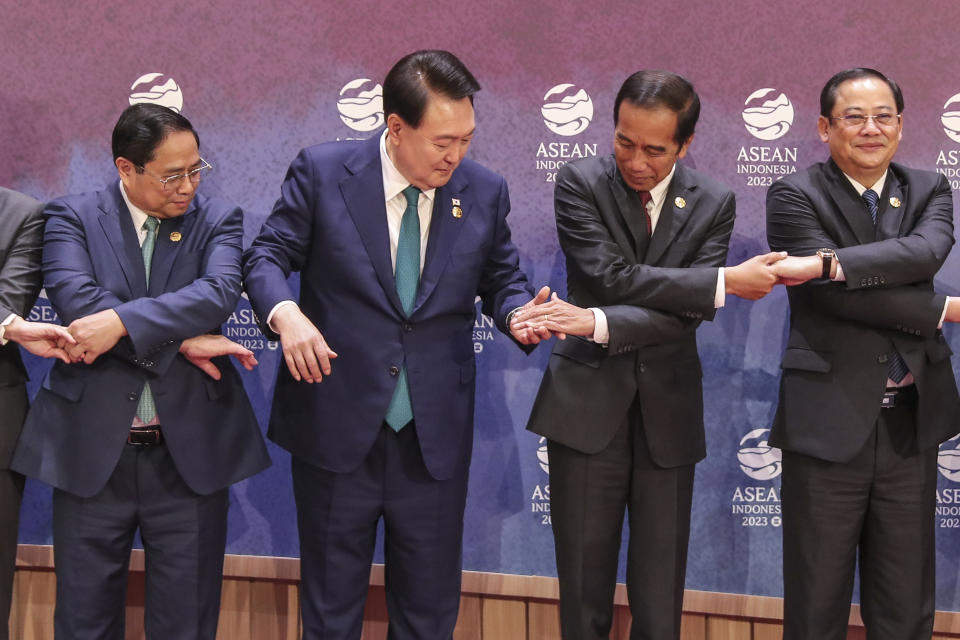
x: 456, y: 211
x: 679, y: 202
x: 175, y: 236
x: 895, y: 202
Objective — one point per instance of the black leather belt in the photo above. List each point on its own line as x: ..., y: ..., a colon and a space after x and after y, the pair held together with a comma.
x: 144, y: 436
x: 895, y: 396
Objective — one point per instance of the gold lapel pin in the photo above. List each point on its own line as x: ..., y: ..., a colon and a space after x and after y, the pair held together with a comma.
x: 456, y: 211
x: 895, y: 202
x: 679, y: 202
x: 175, y: 236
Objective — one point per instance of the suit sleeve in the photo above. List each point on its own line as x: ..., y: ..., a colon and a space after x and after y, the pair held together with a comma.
x: 793, y: 225
x: 503, y: 286
x: 20, y: 275
x: 595, y: 258
x: 283, y: 243
x: 157, y: 325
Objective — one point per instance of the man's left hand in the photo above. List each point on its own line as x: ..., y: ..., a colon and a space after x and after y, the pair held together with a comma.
x: 528, y: 334
x: 200, y: 349
x: 95, y: 335
x: 557, y: 316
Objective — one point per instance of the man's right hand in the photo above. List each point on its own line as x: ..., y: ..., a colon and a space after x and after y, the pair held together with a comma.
x: 40, y: 338
x: 753, y: 278
x: 304, y: 349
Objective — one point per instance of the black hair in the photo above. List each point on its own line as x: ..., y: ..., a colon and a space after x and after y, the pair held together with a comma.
x: 828, y: 96
x: 407, y: 85
x: 142, y: 128
x: 662, y: 89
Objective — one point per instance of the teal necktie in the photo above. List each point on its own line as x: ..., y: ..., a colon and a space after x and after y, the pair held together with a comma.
x: 146, y: 409
x: 407, y: 273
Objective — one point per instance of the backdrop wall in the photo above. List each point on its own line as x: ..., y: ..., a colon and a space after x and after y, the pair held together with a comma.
x: 262, y: 79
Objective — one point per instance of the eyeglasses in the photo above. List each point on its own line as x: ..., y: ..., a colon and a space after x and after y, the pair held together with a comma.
x: 170, y: 183
x: 857, y: 120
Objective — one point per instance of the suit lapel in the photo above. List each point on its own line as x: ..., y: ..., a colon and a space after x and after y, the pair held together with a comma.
x: 118, y: 228
x: 444, y: 230
x: 363, y: 195
x: 621, y: 228
x: 850, y: 205
x: 672, y: 217
x: 165, y: 251
x: 892, y: 218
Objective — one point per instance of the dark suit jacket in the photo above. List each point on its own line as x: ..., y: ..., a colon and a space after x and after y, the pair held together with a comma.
x: 79, y: 422
x: 330, y: 224
x: 841, y: 333
x: 653, y: 305
x: 21, y: 238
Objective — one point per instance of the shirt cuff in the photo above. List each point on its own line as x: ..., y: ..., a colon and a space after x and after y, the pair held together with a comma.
x: 6, y: 322
x: 273, y: 312
x: 943, y: 315
x: 839, y: 277
x: 720, y: 297
x: 601, y: 333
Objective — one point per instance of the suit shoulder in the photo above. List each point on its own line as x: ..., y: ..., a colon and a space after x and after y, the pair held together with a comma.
x: 214, y: 208
x: 477, y: 174
x: 19, y: 204
x: 587, y: 168
x: 707, y: 184
x: 806, y: 180
x: 918, y: 179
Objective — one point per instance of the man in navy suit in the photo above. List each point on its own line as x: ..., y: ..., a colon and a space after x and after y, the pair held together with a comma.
x: 394, y: 238
x: 145, y: 431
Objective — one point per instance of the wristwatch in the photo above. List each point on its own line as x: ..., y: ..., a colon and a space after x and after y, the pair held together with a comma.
x: 827, y: 256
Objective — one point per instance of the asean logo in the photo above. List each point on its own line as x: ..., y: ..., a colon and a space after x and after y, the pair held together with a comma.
x: 758, y: 459
x: 567, y: 110
x: 768, y: 115
x: 951, y: 118
x: 948, y: 460
x: 361, y: 104
x: 157, y: 88
x: 542, y: 456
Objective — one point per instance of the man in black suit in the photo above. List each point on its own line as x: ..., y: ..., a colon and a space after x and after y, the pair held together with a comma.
x: 868, y: 390
x: 645, y: 240
x: 21, y: 238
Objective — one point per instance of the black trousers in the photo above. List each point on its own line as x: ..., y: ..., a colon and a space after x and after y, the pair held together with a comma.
x: 588, y: 496
x: 337, y: 515
x: 878, y: 508
x: 184, y: 536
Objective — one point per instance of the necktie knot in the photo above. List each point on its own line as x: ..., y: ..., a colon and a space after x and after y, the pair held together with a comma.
x: 645, y: 198
x: 872, y: 200
x: 412, y: 194
x: 151, y: 224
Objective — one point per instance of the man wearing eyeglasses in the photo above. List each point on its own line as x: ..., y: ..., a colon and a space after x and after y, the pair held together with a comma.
x: 146, y: 429
x: 868, y: 390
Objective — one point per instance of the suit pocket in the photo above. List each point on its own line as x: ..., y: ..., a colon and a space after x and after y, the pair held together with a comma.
x: 580, y: 350
x: 807, y: 360
x: 938, y: 350
x: 64, y: 385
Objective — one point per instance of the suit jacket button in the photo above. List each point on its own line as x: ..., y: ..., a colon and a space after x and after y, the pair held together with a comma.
x: 882, y: 359
x: 132, y: 397
x: 407, y: 327
x: 394, y: 371
x: 863, y: 282
x: 643, y: 367
x: 148, y: 363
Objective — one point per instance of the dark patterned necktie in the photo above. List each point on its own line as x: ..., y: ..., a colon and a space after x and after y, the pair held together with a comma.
x: 898, y: 369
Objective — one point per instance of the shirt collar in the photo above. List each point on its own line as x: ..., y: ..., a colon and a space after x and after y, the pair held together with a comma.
x: 876, y: 188
x: 393, y: 181
x: 659, y: 191
x: 139, y: 215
